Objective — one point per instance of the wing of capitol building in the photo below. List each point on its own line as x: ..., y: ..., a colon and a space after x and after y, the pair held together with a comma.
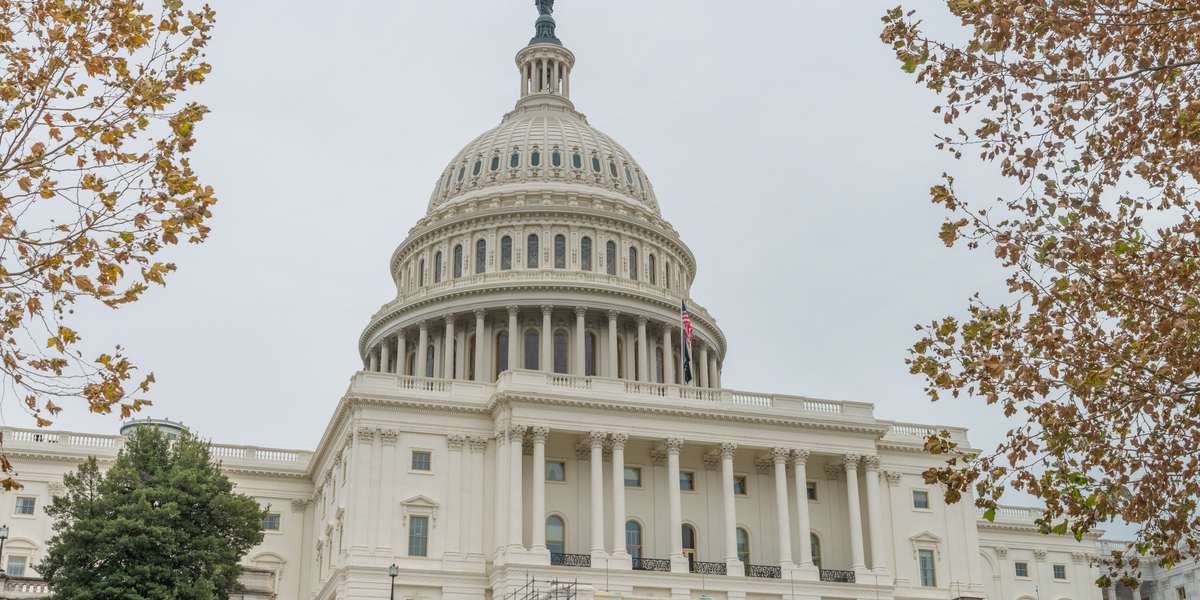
x: 531, y: 423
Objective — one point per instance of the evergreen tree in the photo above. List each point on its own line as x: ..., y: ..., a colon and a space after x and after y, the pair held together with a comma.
x: 162, y: 524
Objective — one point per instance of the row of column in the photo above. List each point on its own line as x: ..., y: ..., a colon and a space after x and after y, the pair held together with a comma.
x: 545, y: 75
x: 596, y: 441
x: 706, y: 371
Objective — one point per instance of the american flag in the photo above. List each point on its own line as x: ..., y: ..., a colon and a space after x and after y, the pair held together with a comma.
x: 687, y: 345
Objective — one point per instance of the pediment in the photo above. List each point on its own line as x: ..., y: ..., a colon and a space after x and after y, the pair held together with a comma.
x: 419, y: 501
x: 926, y: 536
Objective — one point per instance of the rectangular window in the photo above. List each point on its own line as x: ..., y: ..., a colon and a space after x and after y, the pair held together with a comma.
x: 418, y: 536
x: 687, y: 481
x: 421, y: 462
x: 556, y: 471
x: 1022, y: 569
x: 1060, y: 572
x: 25, y: 505
x: 633, y: 477
x: 271, y: 522
x: 921, y: 500
x: 1180, y: 594
x: 16, y: 566
x: 812, y: 490
x: 739, y: 485
x: 928, y: 578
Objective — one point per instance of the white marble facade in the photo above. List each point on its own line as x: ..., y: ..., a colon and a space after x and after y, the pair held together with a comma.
x: 535, y: 330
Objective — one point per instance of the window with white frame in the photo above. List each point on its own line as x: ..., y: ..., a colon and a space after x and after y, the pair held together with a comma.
x: 633, y: 477
x: 271, y: 522
x: 418, y: 536
x: 16, y: 566
x: 25, y: 506
x: 556, y: 470
x: 687, y: 481
x: 1060, y: 572
x: 811, y: 488
x: 920, y: 500
x: 928, y: 576
x: 1021, y: 569
x: 739, y: 485
x: 422, y: 461
x: 1180, y: 594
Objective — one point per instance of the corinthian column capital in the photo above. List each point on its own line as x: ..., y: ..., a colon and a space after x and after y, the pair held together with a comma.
x: 799, y: 456
x: 423, y: 325
x: 726, y: 449
x: 539, y: 434
x: 517, y: 432
x: 513, y: 310
x: 674, y: 445
x: 870, y: 463
x: 480, y: 313
x: 547, y: 309
x: 850, y: 461
x: 449, y: 319
x: 780, y: 456
x: 596, y: 439
x: 618, y: 440
x: 580, y: 311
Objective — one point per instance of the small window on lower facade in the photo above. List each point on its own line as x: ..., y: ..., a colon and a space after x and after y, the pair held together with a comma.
x: 1021, y: 569
x: 418, y: 536
x: 271, y: 522
x: 687, y: 481
x: 921, y: 500
x: 739, y: 485
x: 421, y: 461
x: 633, y: 477
x: 556, y: 471
x: 928, y: 577
x: 16, y: 566
x: 1060, y: 572
x: 25, y: 506
x: 812, y: 490
x: 1180, y: 594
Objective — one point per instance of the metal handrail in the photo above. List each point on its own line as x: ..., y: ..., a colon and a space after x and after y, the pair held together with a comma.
x: 652, y: 564
x: 837, y: 576
x: 769, y: 571
x: 570, y: 560
x: 707, y: 568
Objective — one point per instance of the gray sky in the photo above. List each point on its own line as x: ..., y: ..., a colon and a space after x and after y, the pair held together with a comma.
x: 785, y: 144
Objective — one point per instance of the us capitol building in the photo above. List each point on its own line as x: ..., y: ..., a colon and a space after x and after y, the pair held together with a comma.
x: 522, y: 414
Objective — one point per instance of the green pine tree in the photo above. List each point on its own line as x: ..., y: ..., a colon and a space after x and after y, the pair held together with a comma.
x: 162, y: 524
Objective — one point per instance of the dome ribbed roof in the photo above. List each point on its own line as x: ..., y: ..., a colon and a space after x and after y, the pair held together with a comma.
x: 487, y: 162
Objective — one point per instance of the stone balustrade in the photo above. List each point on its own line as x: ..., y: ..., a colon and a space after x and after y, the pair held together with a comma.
x: 109, y: 445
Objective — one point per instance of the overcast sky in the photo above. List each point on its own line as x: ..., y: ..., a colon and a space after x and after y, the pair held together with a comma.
x: 785, y: 144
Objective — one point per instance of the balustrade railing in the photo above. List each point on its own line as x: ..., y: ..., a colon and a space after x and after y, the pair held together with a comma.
x: 570, y: 560
x: 652, y: 564
x: 751, y: 399
x: 774, y: 572
x: 837, y: 576
x: 571, y: 382
x: 646, y: 389
x: 707, y: 568
x: 706, y: 395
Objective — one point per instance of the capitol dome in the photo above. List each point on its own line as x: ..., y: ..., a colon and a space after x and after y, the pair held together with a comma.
x: 544, y: 249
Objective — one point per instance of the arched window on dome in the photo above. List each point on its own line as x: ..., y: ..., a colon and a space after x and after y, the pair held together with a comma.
x: 449, y: 178
x: 595, y: 164
x: 422, y: 275
x: 585, y: 254
x: 556, y: 159
x: 610, y: 258
x: 501, y: 353
x: 531, y: 251
x: 650, y: 269
x: 531, y: 350
x: 454, y: 361
x: 495, y: 163
x: 658, y: 366
x: 437, y: 268
x: 515, y: 161
x: 620, y: 359
x: 637, y: 365
x: 477, y: 169
x: 535, y: 159
x: 429, y: 361
x: 560, y: 252
x: 577, y: 161
x: 458, y: 258
x: 505, y: 253
x: 471, y: 358
x: 640, y: 184
x: 666, y: 274
x: 589, y: 354
x: 480, y: 256
x: 628, y: 177
x: 561, y: 354
x: 633, y: 263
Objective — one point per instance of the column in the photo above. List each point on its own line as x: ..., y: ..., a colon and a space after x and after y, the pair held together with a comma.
x: 514, y: 337
x: 385, y: 356
x: 481, y: 342
x: 516, y: 435
x: 874, y: 520
x: 374, y: 362
x: 610, y: 368
x: 362, y: 482
x: 1110, y: 592
x: 547, y: 354
x: 733, y: 566
x: 716, y: 374
x: 462, y: 336
x: 618, y: 473
x: 580, y: 350
x: 474, y: 522
x: 713, y: 377
x: 538, y: 479
x: 422, y: 353
x: 448, y: 348
x: 703, y: 364
x: 668, y: 356
x: 386, y: 485
x: 804, y: 528
x: 643, y: 358
x: 850, y: 462
x: 596, y: 442
x: 402, y: 353
x: 454, y: 515
x: 678, y: 562
x: 782, y: 528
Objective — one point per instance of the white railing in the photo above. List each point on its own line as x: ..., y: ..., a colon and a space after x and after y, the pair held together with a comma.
x: 752, y: 399
x: 1110, y: 546
x: 1017, y: 512
x: 702, y: 394
x: 28, y: 587
x: 37, y: 437
x: 277, y: 455
x: 253, y: 453
x: 824, y: 406
x: 646, y: 389
x: 909, y: 429
x: 424, y: 385
x: 571, y: 382
x: 222, y: 451
x: 93, y: 441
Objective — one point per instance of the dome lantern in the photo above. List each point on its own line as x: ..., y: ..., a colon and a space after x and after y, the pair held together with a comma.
x: 545, y: 65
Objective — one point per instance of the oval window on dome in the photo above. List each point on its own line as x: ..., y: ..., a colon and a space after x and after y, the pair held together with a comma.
x: 628, y: 177
x: 577, y: 161
x: 515, y: 161
x: 556, y: 159
x: 612, y: 167
x: 595, y: 164
x: 461, y: 173
x: 449, y: 178
x: 640, y: 184
x: 495, y: 163
x: 535, y: 159
x: 478, y: 168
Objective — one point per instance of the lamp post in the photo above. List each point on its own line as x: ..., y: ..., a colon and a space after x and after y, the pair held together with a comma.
x: 393, y: 571
x: 3, y: 536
